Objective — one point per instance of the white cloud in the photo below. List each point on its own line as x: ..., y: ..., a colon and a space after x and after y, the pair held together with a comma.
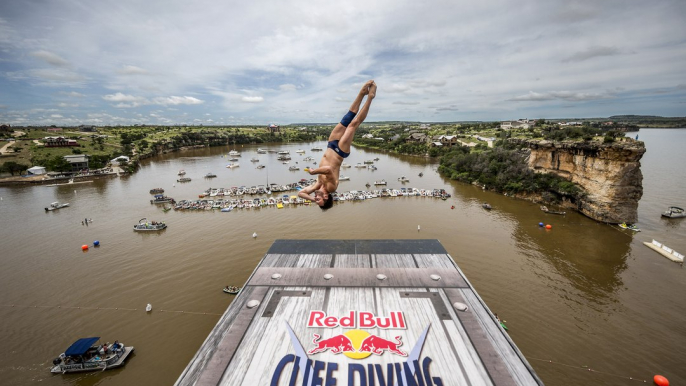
x: 131, y: 70
x: 119, y: 97
x: 252, y: 99
x: 72, y: 94
x: 177, y: 100
x: 50, y: 58
x: 288, y: 87
x: 562, y: 95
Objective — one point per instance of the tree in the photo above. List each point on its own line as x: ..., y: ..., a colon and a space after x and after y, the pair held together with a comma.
x: 12, y: 167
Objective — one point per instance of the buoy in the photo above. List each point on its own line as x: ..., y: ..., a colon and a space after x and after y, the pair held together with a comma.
x: 452, y: 207
x: 540, y: 224
x: 254, y: 235
x: 84, y: 247
x: 418, y: 228
x: 548, y: 226
x: 148, y: 308
x: 660, y: 380
x: 96, y: 243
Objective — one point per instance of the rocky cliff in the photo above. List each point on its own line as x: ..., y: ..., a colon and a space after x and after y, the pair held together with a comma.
x: 610, y: 174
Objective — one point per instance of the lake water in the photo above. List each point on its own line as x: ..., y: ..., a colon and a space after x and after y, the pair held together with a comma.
x: 582, y: 295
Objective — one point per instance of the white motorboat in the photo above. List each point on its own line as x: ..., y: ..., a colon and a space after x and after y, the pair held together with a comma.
x: 234, y: 153
x: 382, y: 182
x: 149, y: 226
x: 293, y: 168
x: 232, y: 165
x: 56, y: 205
x: 343, y: 178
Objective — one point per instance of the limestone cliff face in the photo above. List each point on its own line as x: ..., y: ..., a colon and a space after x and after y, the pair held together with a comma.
x: 610, y: 173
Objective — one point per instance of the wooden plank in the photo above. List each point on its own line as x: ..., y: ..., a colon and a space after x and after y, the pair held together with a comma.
x: 359, y: 277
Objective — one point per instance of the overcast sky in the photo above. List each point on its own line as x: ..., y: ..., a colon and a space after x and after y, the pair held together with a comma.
x: 71, y: 62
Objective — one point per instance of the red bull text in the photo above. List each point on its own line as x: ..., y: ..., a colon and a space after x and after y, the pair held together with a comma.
x: 357, y: 319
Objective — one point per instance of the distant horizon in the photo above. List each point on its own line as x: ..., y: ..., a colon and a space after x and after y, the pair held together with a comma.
x: 370, y: 122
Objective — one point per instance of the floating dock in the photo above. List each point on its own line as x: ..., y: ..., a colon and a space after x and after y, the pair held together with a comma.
x: 358, y: 312
x: 665, y: 251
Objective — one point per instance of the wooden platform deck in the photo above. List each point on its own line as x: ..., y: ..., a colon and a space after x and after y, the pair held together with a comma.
x: 358, y: 312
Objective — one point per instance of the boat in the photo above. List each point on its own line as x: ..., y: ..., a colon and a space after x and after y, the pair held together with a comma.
x: 234, y: 153
x: 376, y: 159
x: 345, y: 165
x: 317, y: 149
x: 71, y: 182
x: 368, y: 162
x: 486, y: 205
x: 293, y: 168
x: 232, y: 289
x: 300, y: 151
x: 665, y: 251
x: 421, y: 174
x: 156, y: 191
x: 382, y: 182
x: 253, y: 159
x: 184, y: 179
x: 56, y: 205
x: 260, y: 167
x: 261, y: 151
x: 86, y: 355
x: 284, y: 157
x: 182, y: 172
x: 149, y: 226
x: 403, y: 179
x: 674, y: 212
x: 166, y: 209
x: 343, y: 178
x: 546, y: 210
x: 232, y: 165
x: 161, y: 199
x: 233, y: 159
x: 632, y: 227
x: 210, y: 175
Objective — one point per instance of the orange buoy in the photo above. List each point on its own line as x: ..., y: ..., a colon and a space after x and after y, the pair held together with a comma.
x: 660, y: 380
x: 452, y: 207
x: 548, y: 226
x: 84, y: 247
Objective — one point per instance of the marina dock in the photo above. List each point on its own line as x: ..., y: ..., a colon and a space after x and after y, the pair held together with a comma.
x: 358, y: 312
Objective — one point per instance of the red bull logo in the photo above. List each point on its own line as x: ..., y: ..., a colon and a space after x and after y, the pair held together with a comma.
x: 357, y: 344
x: 357, y: 319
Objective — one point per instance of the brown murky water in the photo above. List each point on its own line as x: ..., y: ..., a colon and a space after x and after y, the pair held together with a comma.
x: 582, y: 295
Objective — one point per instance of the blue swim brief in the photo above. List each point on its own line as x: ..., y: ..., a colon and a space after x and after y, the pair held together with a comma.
x: 333, y: 145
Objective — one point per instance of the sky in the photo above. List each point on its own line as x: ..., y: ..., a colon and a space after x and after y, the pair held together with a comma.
x: 72, y: 62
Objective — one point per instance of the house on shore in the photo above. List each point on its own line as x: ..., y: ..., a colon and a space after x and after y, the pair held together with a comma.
x: 518, y: 124
x: 59, y: 142
x: 78, y: 162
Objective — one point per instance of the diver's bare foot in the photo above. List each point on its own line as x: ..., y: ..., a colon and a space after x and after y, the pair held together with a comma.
x: 365, y: 87
x: 372, y: 90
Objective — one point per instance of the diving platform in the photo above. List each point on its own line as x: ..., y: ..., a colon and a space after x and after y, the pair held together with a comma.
x: 358, y: 312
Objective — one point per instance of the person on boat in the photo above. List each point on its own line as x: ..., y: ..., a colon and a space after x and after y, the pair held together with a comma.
x: 337, y: 149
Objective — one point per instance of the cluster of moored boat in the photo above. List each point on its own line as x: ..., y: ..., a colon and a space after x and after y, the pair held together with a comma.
x: 211, y: 201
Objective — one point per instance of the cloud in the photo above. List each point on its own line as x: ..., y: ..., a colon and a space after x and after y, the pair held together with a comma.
x: 448, y: 108
x: 177, y: 100
x: 252, y: 99
x: 288, y: 87
x: 562, y: 95
x: 72, y: 94
x: 56, y: 116
x: 119, y: 97
x: 405, y: 103
x: 50, y: 58
x: 131, y: 70
x: 592, y: 52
